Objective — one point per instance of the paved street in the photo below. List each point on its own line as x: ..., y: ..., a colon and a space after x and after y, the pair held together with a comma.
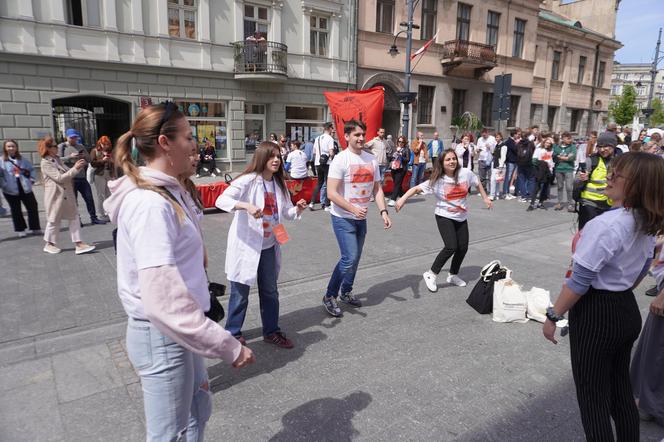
x: 408, y: 365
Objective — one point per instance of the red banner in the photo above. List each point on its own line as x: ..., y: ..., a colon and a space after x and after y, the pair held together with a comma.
x: 366, y: 106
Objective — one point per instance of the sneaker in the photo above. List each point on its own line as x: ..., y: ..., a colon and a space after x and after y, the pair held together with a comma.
x: 558, y: 207
x: 35, y: 232
x: 328, y: 209
x: 430, y: 280
x: 372, y: 199
x: 278, y: 339
x: 311, y: 206
x: 241, y: 340
x: 530, y: 208
x: 509, y: 196
x: 454, y: 279
x: 541, y: 206
x: 571, y: 209
x: 50, y: 248
x: 84, y: 248
x: 22, y: 234
x: 492, y: 198
x: 213, y: 175
x: 97, y: 221
x: 331, y: 306
x: 523, y: 200
x: 391, y: 203
x: 350, y: 299
x: 652, y: 291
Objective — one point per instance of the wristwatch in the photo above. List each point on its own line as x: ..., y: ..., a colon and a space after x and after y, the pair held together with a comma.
x: 552, y: 316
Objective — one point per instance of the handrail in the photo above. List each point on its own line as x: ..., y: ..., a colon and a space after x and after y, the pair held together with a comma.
x: 260, y: 57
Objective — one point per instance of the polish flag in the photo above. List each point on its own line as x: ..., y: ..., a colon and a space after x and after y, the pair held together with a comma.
x: 424, y: 48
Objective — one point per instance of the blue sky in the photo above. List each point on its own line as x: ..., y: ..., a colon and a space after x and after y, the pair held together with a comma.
x: 636, y: 28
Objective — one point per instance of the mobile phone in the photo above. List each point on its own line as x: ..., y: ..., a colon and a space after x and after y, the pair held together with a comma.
x: 582, y: 168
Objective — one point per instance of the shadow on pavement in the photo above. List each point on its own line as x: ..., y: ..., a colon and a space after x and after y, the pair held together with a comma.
x: 323, y: 419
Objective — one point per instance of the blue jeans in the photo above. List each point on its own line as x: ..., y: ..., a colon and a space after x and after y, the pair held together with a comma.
x: 418, y: 173
x: 350, y: 235
x: 82, y: 185
x: 509, y: 171
x: 268, y: 297
x: 382, y: 170
x: 525, y: 181
x: 176, y: 395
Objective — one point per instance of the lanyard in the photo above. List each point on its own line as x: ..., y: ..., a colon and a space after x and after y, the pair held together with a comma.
x: 275, y: 212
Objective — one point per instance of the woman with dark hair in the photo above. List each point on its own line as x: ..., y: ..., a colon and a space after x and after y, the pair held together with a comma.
x: 611, y: 256
x: 16, y: 178
x: 398, y: 168
x: 161, y: 277
x: 260, y: 201
x: 450, y: 183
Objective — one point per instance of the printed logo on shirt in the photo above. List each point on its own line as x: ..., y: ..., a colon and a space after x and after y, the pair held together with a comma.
x: 456, y: 192
x: 361, y: 180
x: 269, y: 212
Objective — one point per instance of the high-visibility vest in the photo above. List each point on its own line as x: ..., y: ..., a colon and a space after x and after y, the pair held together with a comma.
x: 596, y: 187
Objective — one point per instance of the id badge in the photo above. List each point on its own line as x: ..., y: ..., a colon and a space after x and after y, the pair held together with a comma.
x: 280, y: 234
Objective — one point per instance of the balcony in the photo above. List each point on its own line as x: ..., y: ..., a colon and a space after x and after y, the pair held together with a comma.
x: 467, y: 59
x: 260, y: 60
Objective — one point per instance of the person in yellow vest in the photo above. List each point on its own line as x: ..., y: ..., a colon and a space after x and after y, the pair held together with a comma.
x: 594, y: 201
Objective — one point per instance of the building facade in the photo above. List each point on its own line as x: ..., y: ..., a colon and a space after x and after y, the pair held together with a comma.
x: 239, y: 70
x: 478, y: 40
x: 638, y: 75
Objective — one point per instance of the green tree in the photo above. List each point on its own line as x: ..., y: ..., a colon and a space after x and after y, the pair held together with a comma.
x: 657, y: 117
x: 623, y: 108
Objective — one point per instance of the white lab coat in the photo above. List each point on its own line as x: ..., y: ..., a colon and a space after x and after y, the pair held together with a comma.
x: 245, y: 237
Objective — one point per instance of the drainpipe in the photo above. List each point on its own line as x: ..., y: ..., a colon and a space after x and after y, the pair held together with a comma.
x: 593, y: 87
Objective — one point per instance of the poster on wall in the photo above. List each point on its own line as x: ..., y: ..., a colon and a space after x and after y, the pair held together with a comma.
x: 366, y: 106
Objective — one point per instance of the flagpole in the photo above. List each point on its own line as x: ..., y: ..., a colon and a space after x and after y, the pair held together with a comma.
x: 409, y: 47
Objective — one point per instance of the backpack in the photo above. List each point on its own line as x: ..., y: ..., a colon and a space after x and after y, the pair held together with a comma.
x: 524, y: 154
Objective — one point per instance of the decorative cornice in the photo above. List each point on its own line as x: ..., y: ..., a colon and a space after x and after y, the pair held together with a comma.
x: 332, y: 7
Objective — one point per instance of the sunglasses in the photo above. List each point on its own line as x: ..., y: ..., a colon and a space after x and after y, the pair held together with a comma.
x: 171, y: 107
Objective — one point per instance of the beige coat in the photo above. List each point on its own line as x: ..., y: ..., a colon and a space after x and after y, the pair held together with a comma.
x: 59, y: 198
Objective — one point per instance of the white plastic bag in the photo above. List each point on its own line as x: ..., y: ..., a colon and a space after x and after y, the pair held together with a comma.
x: 538, y: 301
x: 509, y: 302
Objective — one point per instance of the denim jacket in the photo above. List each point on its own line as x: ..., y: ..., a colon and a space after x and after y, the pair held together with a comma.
x: 8, y: 179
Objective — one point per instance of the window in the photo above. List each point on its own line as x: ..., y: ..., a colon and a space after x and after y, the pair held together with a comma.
x: 551, y: 116
x: 304, y: 123
x: 458, y: 102
x: 254, y: 125
x: 555, y: 66
x: 385, y: 16
x: 600, y: 74
x: 492, y: 28
x: 574, y: 120
x: 83, y: 12
x: 182, y: 18
x: 208, y: 121
x: 514, y: 108
x: 616, y: 89
x: 425, y: 104
x: 582, y: 69
x: 519, y: 36
x: 463, y: 22
x: 318, y: 36
x: 428, y: 19
x: 641, y: 90
x: 487, y: 106
x: 255, y: 20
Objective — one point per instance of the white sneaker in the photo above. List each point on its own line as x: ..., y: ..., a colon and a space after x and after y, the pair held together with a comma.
x: 391, y: 203
x: 53, y: 250
x: 198, y: 175
x: 84, y: 248
x: 492, y: 198
x: 372, y: 199
x: 22, y: 234
x: 454, y: 279
x: 430, y: 280
x: 213, y: 174
x: 328, y: 208
x: 509, y: 196
x: 311, y: 206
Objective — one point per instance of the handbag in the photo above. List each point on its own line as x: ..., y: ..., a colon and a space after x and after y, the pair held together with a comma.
x: 481, y: 297
x: 216, y: 312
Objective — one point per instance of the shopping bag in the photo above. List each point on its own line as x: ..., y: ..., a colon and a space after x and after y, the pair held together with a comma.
x: 538, y: 301
x: 481, y: 297
x: 509, y: 302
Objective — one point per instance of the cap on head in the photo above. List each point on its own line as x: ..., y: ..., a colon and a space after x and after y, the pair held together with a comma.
x: 607, y: 139
x: 72, y: 133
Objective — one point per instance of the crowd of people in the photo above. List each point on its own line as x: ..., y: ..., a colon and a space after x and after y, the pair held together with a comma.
x: 615, y: 184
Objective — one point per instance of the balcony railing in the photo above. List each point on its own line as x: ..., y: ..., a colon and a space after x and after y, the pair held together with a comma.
x: 470, y: 55
x: 254, y: 58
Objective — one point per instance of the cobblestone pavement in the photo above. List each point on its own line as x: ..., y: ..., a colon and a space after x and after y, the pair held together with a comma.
x: 408, y: 365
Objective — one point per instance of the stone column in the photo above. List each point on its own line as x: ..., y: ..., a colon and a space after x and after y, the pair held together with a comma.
x: 162, y: 32
x: 274, y: 33
x: 138, y: 31
x: 110, y: 22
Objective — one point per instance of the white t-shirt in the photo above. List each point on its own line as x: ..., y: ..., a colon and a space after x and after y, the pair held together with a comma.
x: 451, y: 199
x: 490, y: 142
x: 298, y: 162
x: 358, y: 173
x: 609, y: 244
x: 323, y: 145
x: 151, y: 235
x: 270, y: 213
x: 542, y: 154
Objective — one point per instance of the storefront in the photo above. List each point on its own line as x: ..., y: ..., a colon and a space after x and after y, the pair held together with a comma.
x: 305, y: 123
x: 208, y: 122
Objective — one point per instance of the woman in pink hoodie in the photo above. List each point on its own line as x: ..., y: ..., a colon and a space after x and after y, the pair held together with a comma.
x: 161, y: 277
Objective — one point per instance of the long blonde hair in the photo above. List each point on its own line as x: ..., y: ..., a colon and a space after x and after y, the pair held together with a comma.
x: 160, y: 119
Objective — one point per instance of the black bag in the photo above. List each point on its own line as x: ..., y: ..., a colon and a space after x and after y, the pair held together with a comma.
x: 322, y: 158
x: 216, y: 312
x: 481, y: 297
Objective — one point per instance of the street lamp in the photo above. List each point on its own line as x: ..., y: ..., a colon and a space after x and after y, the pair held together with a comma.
x: 653, y: 73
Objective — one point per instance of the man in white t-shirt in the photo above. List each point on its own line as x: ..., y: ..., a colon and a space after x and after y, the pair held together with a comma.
x: 323, y: 154
x: 353, y: 177
x: 297, y: 162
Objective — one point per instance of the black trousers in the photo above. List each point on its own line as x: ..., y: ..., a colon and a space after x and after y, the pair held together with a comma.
x: 603, y: 326
x: 310, y: 165
x: 322, y: 176
x: 397, y: 177
x: 30, y: 203
x: 455, y: 237
x: 586, y: 213
x: 82, y: 185
x: 541, y: 187
x: 210, y: 165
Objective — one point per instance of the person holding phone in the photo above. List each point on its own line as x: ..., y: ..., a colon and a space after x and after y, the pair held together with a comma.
x: 612, y: 255
x: 16, y: 178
